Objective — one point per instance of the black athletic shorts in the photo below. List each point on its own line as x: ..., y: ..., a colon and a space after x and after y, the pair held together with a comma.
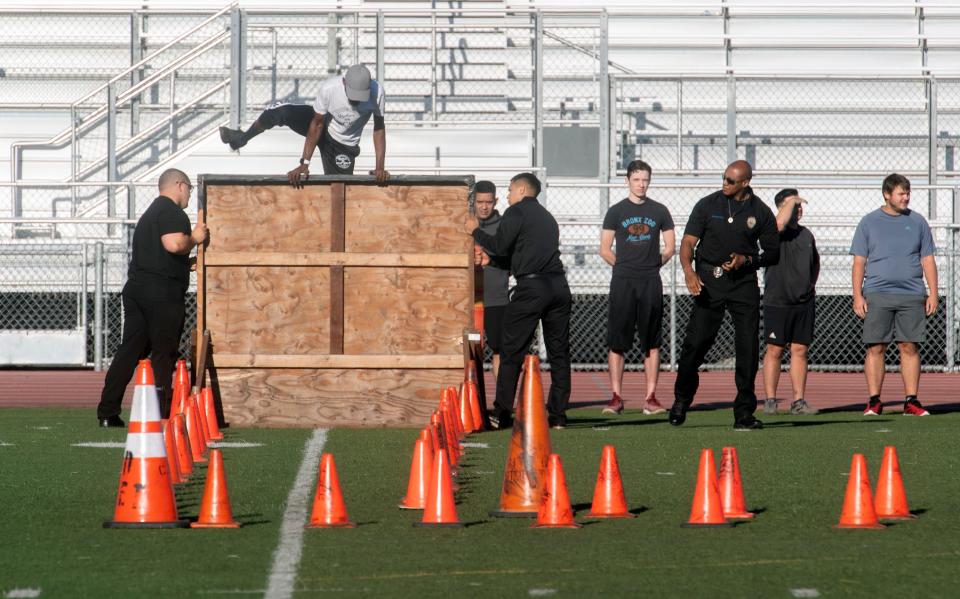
x: 337, y: 158
x: 636, y: 305
x: 295, y: 116
x: 493, y: 326
x: 789, y: 324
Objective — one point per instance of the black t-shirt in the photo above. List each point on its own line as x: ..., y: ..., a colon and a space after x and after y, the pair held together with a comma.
x: 155, y: 273
x: 637, y: 230
x: 793, y: 280
x: 528, y: 236
x: 753, y: 222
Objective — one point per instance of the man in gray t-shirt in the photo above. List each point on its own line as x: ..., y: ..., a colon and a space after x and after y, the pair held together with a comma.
x: 496, y: 275
x: 892, y: 255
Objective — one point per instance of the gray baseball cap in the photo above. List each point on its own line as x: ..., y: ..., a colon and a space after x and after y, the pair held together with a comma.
x: 357, y: 79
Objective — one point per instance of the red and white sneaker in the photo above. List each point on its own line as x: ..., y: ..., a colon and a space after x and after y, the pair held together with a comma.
x: 614, y: 406
x: 874, y: 408
x: 653, y: 407
x: 913, y: 408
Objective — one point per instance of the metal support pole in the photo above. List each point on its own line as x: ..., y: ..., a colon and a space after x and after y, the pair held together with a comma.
x: 673, y: 313
x: 238, y: 67
x: 131, y: 214
x: 538, y: 88
x: 679, y: 124
x: 433, y: 67
x: 356, y: 39
x: 333, y: 44
x: 951, y: 306
x: 98, y: 307
x: 604, y: 116
x: 380, y: 21
x: 932, y: 158
x: 84, y: 293
x: 111, y: 144
x: 273, y: 65
x: 731, y: 119
x: 172, y: 125
x: 135, y: 56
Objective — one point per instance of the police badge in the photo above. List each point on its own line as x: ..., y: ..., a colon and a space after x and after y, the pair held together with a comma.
x: 717, y: 272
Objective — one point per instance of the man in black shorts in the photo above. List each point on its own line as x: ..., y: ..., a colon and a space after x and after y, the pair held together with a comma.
x: 496, y: 275
x: 637, y: 223
x: 333, y: 124
x: 788, y: 303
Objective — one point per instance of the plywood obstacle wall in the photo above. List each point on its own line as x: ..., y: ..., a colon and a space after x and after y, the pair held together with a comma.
x: 340, y: 304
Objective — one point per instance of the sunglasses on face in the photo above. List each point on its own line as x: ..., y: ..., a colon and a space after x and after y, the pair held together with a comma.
x: 730, y: 181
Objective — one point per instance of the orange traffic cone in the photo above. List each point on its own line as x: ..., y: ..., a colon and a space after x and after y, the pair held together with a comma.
x: 194, y: 433
x: 891, y: 500
x: 476, y: 412
x: 608, y: 498
x: 210, y: 414
x: 526, y: 468
x: 478, y: 404
x: 184, y: 459
x: 215, y: 511
x: 181, y: 387
x: 858, y: 510
x: 329, y: 511
x: 435, y: 437
x: 416, y: 498
x: 145, y: 497
x: 440, y: 510
x: 707, y: 510
x: 466, y: 413
x: 450, y: 433
x: 455, y: 409
x: 180, y: 396
x: 731, y: 488
x: 173, y: 461
x: 555, y: 509
x: 204, y: 433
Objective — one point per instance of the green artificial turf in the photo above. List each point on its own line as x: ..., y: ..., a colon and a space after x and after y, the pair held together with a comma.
x: 55, y: 497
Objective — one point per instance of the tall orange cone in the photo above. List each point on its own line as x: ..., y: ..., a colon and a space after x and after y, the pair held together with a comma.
x: 526, y: 468
x: 466, y: 413
x: 446, y: 416
x: 707, y: 510
x: 435, y: 437
x: 731, y: 487
x: 480, y: 416
x: 891, y: 500
x: 170, y: 446
x: 858, y: 510
x: 417, y: 486
x: 609, y: 500
x: 145, y: 497
x: 455, y: 410
x: 440, y: 510
x: 194, y: 432
x: 180, y: 395
x: 555, y: 509
x: 215, y: 511
x: 329, y: 511
x: 210, y: 414
x: 184, y: 459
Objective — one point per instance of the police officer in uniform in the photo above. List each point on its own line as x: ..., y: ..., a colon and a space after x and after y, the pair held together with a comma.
x: 723, y: 235
x: 529, y: 238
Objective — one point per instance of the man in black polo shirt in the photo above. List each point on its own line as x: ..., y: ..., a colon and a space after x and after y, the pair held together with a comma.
x: 529, y: 238
x: 722, y: 234
x: 153, y: 307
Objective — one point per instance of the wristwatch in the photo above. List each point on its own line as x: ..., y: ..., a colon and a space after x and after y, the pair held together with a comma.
x: 304, y: 161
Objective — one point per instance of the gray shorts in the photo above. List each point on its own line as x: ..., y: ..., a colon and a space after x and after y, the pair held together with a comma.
x: 894, y: 316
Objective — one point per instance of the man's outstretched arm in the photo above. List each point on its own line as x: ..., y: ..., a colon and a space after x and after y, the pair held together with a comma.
x: 300, y: 174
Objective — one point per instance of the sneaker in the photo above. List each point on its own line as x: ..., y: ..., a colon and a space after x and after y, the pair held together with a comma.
x: 557, y: 423
x: 501, y: 422
x: 913, y: 408
x: 614, y: 406
x: 233, y: 137
x: 770, y: 405
x: 801, y: 407
x: 874, y: 408
x: 111, y: 422
x: 748, y: 425
x: 653, y: 407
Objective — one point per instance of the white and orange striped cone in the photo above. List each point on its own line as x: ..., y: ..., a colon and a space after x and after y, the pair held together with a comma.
x: 145, y: 498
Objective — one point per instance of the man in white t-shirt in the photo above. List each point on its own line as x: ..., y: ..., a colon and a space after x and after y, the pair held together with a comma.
x: 343, y: 107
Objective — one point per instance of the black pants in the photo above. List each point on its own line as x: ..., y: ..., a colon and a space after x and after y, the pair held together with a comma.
x: 336, y: 158
x: 545, y: 299
x: 741, y: 297
x: 149, y: 328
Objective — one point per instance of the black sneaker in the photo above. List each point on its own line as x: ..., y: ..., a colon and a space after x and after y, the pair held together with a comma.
x: 111, y: 422
x: 501, y: 422
x: 874, y: 408
x: 677, y: 414
x: 233, y: 137
x: 751, y: 424
x: 557, y: 424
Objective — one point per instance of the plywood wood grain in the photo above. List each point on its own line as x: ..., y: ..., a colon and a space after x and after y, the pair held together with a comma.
x: 341, y: 398
x: 411, y: 362
x: 405, y: 310
x: 268, y: 309
x: 273, y: 218
x: 221, y: 258
x: 410, y: 218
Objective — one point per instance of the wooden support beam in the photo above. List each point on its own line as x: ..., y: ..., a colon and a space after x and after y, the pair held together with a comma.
x: 339, y: 361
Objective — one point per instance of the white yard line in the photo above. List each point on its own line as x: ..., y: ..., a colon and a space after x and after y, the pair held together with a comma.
x: 286, y: 557
x: 101, y: 444
x: 19, y: 593
x: 236, y: 444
